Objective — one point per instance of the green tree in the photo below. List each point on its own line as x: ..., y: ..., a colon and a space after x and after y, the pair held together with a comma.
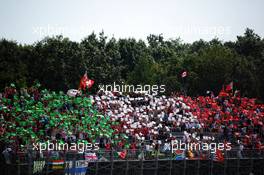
x: 13, y: 67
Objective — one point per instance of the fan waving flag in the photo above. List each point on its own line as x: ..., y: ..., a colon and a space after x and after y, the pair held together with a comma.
x: 89, y: 83
x: 218, y: 156
x: 229, y: 87
x: 85, y: 82
x: 122, y: 154
x: 184, y: 74
x: 223, y: 92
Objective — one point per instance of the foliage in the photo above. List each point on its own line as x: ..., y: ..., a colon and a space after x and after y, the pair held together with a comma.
x: 58, y: 63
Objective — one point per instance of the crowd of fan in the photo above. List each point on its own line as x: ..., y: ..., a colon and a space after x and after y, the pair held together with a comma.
x: 156, y: 120
x: 151, y: 122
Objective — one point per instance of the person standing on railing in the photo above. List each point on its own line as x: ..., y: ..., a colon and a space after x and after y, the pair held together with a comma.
x: 8, y: 157
x: 240, y: 149
x: 7, y: 153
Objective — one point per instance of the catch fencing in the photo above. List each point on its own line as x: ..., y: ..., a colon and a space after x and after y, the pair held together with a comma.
x: 138, y: 162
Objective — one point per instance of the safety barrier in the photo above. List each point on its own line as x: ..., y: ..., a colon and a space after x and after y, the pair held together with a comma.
x: 136, y: 162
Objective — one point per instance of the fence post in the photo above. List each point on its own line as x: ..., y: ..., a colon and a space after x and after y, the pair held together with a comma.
x: 18, y: 166
x: 199, y: 159
x: 30, y: 157
x: 96, y: 168
x: 184, y: 166
x: 112, y: 161
x: 225, y: 162
x: 141, y: 161
x: 47, y: 163
x: 212, y: 164
x: 127, y: 163
x: 238, y: 165
x: 251, y: 161
x: 64, y: 159
x: 171, y: 157
x: 156, y: 167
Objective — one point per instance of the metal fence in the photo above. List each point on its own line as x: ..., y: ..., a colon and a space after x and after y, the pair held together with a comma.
x: 140, y: 162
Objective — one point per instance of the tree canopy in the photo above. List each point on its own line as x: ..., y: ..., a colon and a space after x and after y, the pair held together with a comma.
x: 58, y: 63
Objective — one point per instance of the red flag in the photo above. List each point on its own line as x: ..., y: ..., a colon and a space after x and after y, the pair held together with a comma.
x: 90, y: 83
x: 122, y: 154
x: 85, y: 82
x: 229, y: 87
x: 223, y: 93
x: 120, y: 144
x: 219, y: 157
x: 108, y: 146
x: 184, y: 74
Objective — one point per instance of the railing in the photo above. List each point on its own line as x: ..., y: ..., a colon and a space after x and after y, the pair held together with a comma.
x: 141, y: 162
